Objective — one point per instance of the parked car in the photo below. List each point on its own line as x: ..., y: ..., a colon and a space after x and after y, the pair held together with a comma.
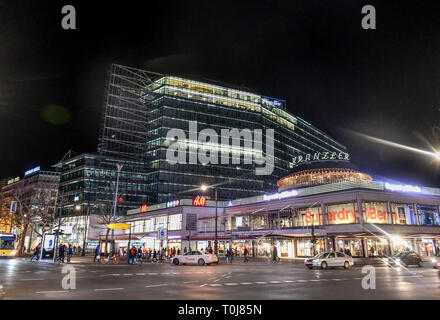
x: 194, y: 257
x: 405, y: 259
x: 329, y: 259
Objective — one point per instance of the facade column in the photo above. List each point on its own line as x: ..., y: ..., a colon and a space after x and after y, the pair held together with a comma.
x: 295, y: 247
x: 416, y: 214
x: 360, y: 212
x: 324, y: 222
x: 389, y: 212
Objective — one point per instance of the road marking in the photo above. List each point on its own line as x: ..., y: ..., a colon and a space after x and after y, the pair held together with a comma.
x: 261, y: 282
x: 227, y: 277
x: 315, y: 280
x: 156, y: 285
x: 30, y: 279
x: 275, y: 281
x: 231, y: 284
x: 203, y: 285
x: 108, y: 289
x: 152, y: 274
x: 336, y: 279
x: 212, y: 278
x: 51, y: 291
x: 216, y: 285
x: 288, y: 281
x: 191, y: 281
x: 245, y: 283
x: 140, y: 274
x: 165, y: 273
x: 302, y: 280
x: 216, y: 280
x: 128, y: 274
x: 175, y: 272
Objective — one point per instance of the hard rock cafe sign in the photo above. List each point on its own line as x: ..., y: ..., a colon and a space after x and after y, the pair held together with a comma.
x: 319, y: 156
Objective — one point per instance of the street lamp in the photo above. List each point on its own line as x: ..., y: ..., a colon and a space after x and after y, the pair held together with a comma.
x: 115, y: 202
x: 204, y: 188
x: 86, y: 223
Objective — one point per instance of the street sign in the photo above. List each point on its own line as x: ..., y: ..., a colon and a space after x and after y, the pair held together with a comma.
x: 162, y: 234
x: 118, y: 226
x: 13, y: 206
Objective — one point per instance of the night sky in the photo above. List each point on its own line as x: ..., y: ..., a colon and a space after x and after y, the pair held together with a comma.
x: 314, y: 54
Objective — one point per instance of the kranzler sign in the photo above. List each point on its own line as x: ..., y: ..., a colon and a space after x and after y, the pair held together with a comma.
x: 319, y: 156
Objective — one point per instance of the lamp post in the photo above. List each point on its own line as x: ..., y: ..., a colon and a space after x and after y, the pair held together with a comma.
x: 59, y: 225
x: 204, y: 188
x: 78, y: 207
x: 115, y: 202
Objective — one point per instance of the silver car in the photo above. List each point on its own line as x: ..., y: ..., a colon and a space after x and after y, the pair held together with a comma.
x: 194, y: 257
x: 329, y: 259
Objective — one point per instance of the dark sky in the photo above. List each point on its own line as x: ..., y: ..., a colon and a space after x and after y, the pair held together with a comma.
x: 313, y: 54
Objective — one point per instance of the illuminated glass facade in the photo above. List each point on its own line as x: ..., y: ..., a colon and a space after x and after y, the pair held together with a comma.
x: 178, y: 101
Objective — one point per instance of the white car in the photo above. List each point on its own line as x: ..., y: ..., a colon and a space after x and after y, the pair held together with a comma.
x: 194, y: 257
x: 329, y: 259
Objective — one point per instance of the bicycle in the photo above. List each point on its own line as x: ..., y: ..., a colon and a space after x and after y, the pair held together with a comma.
x: 106, y: 260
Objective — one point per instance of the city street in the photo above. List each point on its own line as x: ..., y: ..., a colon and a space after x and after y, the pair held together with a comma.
x: 22, y: 279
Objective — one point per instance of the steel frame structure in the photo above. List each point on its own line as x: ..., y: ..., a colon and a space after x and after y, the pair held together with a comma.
x: 127, y: 108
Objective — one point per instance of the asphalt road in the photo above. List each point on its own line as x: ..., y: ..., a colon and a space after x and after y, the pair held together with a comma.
x: 22, y: 279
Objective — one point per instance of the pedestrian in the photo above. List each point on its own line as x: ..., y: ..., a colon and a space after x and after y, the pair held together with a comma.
x: 245, y: 255
x: 74, y: 249
x: 61, y: 252
x: 348, y: 252
x: 227, y: 255
x: 96, y: 254
x: 139, y: 255
x: 79, y: 250
x: 210, y: 250
x: 275, y: 253
x: 340, y: 250
x: 36, y: 254
x: 132, y: 255
x: 69, y: 253
x: 184, y: 250
x: 154, y: 256
x: 178, y: 251
x: 231, y: 254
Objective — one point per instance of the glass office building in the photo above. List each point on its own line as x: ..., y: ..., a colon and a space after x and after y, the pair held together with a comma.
x: 143, y: 107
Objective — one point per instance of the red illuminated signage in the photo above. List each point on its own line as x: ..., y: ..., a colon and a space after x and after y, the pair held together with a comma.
x: 199, y: 201
x: 144, y: 208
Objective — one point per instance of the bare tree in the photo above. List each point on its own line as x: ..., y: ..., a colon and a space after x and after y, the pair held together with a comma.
x: 105, y: 213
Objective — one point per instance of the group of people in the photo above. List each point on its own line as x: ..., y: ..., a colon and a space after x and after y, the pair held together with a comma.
x: 346, y: 251
x: 62, y: 249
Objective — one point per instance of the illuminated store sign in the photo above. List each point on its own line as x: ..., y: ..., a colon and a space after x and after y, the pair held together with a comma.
x: 280, y: 195
x: 199, y: 201
x: 402, y: 188
x: 319, y: 156
x: 13, y: 180
x: 172, y: 204
x: 272, y: 102
x: 33, y: 170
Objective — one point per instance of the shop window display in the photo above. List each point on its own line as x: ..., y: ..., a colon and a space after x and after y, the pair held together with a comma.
x: 378, y: 247
x: 428, y: 215
x: 343, y: 213
x: 351, y: 246
x: 376, y: 212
